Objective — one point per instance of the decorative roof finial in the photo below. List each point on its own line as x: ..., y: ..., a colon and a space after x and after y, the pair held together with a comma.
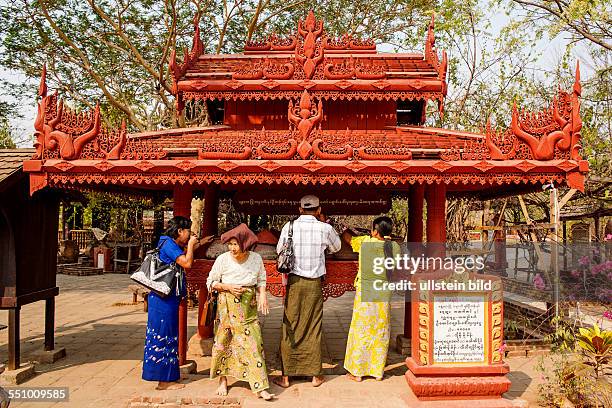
x: 430, y: 42
x: 310, y: 22
x: 42, y: 88
x: 577, y: 85
x: 197, y: 45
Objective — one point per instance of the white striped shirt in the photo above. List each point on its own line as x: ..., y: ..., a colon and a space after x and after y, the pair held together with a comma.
x: 311, y: 238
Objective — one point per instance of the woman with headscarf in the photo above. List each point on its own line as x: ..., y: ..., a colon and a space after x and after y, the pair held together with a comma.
x: 160, y: 362
x: 368, y: 339
x: 240, y: 278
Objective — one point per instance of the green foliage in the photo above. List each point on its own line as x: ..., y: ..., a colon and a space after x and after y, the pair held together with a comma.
x: 596, y: 347
x: 563, y: 339
x: 6, y: 140
x: 117, y: 214
x: 6, y: 132
x: 399, y: 216
x: 578, y: 373
x: 568, y: 381
x: 583, y: 20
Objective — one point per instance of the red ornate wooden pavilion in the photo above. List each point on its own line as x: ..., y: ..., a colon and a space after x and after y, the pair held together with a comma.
x: 331, y: 116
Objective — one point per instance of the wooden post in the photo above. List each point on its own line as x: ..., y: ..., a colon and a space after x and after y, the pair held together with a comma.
x: 209, y: 226
x: 499, y: 238
x: 554, y: 255
x: 182, y: 206
x: 565, y: 245
x: 484, y: 237
x: 13, y: 339
x: 415, y: 235
x: 49, y: 323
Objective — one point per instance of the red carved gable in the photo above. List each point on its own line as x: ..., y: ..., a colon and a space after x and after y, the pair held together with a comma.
x: 551, y: 134
x: 64, y: 134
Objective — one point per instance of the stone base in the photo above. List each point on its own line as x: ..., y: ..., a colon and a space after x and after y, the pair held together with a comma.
x: 190, y: 367
x: 457, y: 387
x: 50, y: 357
x: 414, y: 402
x: 200, y: 347
x: 403, y: 345
x: 18, y: 376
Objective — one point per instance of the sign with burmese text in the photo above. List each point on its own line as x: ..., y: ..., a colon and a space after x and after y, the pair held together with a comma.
x: 333, y: 202
x: 459, y: 328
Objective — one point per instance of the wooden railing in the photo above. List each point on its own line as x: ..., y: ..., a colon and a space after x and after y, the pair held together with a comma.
x: 81, y: 237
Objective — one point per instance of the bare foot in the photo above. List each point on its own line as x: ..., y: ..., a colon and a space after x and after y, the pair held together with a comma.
x: 222, y: 388
x: 265, y: 395
x: 353, y: 377
x: 317, y: 380
x: 281, y: 381
x: 169, y: 386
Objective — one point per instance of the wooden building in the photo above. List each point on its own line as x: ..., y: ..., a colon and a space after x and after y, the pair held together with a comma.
x: 28, y: 248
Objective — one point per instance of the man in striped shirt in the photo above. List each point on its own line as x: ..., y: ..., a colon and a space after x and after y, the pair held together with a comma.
x: 300, y: 347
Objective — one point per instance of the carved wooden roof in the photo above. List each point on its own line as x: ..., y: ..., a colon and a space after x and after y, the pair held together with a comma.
x: 329, y: 68
x: 77, y: 150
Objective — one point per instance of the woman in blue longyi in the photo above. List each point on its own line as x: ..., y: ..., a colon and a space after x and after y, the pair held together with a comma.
x: 161, y: 344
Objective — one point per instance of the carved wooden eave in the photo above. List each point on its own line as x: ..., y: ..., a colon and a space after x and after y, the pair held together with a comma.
x: 166, y: 173
x: 342, y: 68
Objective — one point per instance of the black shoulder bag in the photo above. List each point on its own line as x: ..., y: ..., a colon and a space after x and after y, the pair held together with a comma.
x: 286, y: 258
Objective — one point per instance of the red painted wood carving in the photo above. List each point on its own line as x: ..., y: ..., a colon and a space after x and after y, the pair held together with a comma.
x: 553, y: 133
x: 267, y: 64
x: 311, y: 83
x: 305, y: 117
x: 310, y: 52
x: 63, y: 134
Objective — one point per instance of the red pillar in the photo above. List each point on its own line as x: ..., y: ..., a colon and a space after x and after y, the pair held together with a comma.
x: 415, y: 235
x: 210, y: 226
x: 415, y: 214
x: 435, y: 195
x: 182, y: 206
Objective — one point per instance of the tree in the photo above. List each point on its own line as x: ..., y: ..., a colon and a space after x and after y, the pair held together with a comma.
x: 6, y: 133
x: 119, y: 51
x: 6, y: 141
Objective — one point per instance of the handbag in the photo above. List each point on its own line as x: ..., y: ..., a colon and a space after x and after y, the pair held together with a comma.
x: 157, y: 276
x: 209, y: 309
x: 286, y: 258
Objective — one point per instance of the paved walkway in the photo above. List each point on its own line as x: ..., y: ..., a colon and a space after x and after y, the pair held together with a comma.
x: 103, y: 333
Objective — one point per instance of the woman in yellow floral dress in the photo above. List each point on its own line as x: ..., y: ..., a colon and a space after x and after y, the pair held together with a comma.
x: 368, y: 338
x: 240, y: 278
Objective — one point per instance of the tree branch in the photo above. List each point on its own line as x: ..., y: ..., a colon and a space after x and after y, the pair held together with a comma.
x: 561, y: 16
x: 119, y: 31
x: 87, y: 66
